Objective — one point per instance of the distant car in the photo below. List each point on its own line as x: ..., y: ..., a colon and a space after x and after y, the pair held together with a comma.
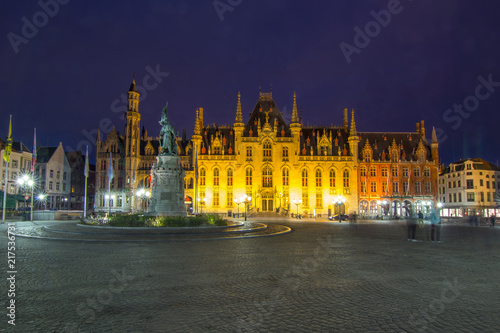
x: 343, y: 217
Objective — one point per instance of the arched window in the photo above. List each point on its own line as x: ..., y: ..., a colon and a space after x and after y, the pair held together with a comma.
x: 285, y: 174
x: 267, y: 177
x: 267, y: 149
x: 248, y: 177
x: 202, y: 176
x: 216, y: 177
x: 346, y: 178
x: 304, y: 178
x: 332, y: 178
x: 229, y: 177
x: 318, y: 178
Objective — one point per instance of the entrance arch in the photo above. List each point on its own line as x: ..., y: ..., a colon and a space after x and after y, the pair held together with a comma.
x: 267, y: 202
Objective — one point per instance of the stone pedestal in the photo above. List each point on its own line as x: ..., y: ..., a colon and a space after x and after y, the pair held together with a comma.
x: 167, y: 194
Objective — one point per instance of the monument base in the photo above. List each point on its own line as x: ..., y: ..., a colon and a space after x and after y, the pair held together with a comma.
x: 167, y: 193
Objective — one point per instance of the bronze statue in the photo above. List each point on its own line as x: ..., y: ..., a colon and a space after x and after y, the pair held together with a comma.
x: 168, y: 139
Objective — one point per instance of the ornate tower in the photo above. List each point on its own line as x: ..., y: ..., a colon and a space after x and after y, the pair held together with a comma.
x: 238, y: 124
x: 353, y: 139
x: 132, y: 135
x: 295, y: 126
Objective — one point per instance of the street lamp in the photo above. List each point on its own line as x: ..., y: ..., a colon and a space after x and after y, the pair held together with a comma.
x: 41, y: 198
x: 26, y: 182
x: 144, y: 194
x: 297, y: 203
x: 339, y: 200
x: 238, y: 202
x: 109, y: 198
x: 201, y: 202
x: 246, y: 200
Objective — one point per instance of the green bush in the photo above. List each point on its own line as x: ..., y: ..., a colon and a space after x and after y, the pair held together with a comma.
x: 138, y: 220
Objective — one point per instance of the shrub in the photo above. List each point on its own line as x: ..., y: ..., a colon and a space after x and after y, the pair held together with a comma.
x: 139, y: 220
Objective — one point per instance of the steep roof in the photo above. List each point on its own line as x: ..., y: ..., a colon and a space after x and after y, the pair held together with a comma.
x: 43, y: 154
x: 266, y: 107
x: 407, y: 143
x: 478, y: 164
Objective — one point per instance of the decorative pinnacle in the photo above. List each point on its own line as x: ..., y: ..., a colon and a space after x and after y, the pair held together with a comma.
x: 295, y: 115
x: 353, y: 125
x: 239, y: 116
x: 197, y: 127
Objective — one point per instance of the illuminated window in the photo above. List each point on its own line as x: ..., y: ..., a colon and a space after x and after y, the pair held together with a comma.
x: 318, y: 178
x: 373, y: 187
x: 248, y: 177
x: 267, y: 177
x: 346, y: 178
x: 215, y: 199
x: 267, y: 149
x: 373, y: 172
x: 362, y: 172
x: 332, y: 178
x: 305, y: 198
x: 304, y: 178
x: 363, y: 186
x: 395, y: 172
x: 319, y: 200
x: 249, y: 151
x: 416, y: 172
x: 229, y: 177
x: 384, y: 172
x: 216, y: 177
x: 285, y: 151
x: 202, y: 176
x: 229, y: 199
x: 285, y: 174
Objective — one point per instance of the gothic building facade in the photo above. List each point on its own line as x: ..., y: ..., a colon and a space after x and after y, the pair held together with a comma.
x: 268, y: 165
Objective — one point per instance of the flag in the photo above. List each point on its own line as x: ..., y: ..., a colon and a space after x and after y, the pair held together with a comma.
x: 87, y: 162
x: 111, y: 173
x: 8, y: 148
x: 33, y: 156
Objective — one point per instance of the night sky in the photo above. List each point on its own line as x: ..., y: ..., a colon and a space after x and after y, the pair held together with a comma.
x: 66, y: 79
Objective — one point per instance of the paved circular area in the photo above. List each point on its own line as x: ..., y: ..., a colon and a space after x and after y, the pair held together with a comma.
x: 323, y: 277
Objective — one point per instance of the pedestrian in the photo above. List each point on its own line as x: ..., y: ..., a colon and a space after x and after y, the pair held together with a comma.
x: 435, y: 226
x: 492, y: 219
x: 411, y: 224
x: 420, y: 219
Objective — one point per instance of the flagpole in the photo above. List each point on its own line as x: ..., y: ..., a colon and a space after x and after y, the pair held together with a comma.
x: 110, y: 176
x: 33, y: 161
x: 86, y: 176
x: 7, y: 157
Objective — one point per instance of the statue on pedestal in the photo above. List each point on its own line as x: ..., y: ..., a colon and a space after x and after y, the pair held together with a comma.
x: 168, y: 141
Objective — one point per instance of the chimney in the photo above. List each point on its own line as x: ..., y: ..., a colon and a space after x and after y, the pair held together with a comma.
x: 418, y: 127
x: 346, y: 122
x: 422, y: 129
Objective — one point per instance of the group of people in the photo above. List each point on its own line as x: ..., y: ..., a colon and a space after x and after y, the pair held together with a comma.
x: 418, y: 220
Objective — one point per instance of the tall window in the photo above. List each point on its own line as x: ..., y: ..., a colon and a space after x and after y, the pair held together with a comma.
x: 216, y: 177
x: 318, y: 178
x: 418, y: 188
x: 248, y: 177
x: 362, y: 172
x: 215, y: 199
x: 249, y: 151
x: 319, y: 200
x: 416, y: 172
x: 332, y: 178
x: 363, y: 186
x: 384, y: 187
x: 229, y: 197
x: 427, y: 187
x: 346, y: 178
x: 51, y: 174
x: 267, y: 149
x: 305, y: 198
x: 384, y: 172
x: 285, y: 175
x: 373, y: 187
x: 373, y: 172
x: 304, y: 178
x: 405, y: 187
x: 285, y: 151
x: 202, y: 176
x: 427, y: 172
x: 395, y: 187
x: 395, y: 172
x: 405, y: 172
x: 229, y: 177
x: 267, y: 177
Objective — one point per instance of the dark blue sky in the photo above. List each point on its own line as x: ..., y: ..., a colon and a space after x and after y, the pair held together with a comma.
x: 64, y: 78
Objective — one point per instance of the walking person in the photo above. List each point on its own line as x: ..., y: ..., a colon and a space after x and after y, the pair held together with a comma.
x: 492, y: 220
x: 420, y: 219
x: 411, y: 224
x: 435, y: 226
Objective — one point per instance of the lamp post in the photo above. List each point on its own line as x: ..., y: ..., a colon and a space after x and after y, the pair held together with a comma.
x: 26, y: 182
x: 144, y: 194
x: 246, y: 200
x: 238, y: 202
x: 339, y: 200
x: 297, y: 203
x: 201, y: 202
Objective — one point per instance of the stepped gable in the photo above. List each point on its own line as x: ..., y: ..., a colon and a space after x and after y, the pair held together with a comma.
x: 407, y: 143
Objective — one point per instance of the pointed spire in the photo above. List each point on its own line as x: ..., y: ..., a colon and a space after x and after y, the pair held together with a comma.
x: 133, y: 87
x: 434, y: 136
x: 197, y: 128
x: 353, y: 125
x: 295, y: 115
x: 239, y: 116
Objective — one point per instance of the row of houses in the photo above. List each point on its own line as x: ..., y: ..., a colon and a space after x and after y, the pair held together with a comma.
x: 59, y: 181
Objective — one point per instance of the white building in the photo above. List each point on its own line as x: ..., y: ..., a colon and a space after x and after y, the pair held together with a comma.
x: 53, y: 174
x: 20, y: 162
x: 469, y: 187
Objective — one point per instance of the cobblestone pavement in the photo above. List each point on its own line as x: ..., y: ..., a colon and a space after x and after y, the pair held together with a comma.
x: 322, y: 277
